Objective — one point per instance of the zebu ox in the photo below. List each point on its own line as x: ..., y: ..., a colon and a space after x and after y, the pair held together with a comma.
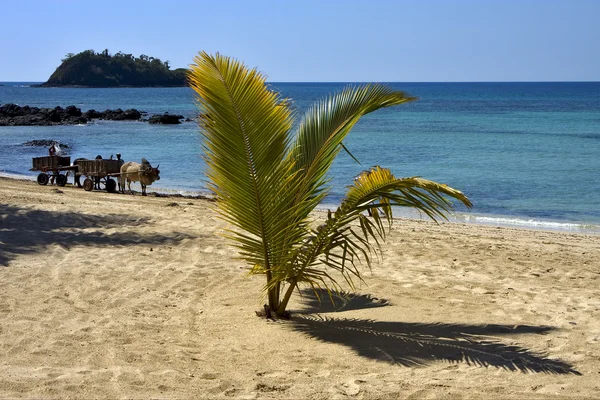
x: 142, y: 173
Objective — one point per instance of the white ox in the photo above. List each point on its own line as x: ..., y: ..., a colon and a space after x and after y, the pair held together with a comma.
x: 142, y: 173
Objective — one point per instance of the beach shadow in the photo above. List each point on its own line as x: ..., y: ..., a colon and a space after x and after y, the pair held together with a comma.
x: 27, y: 231
x: 320, y: 301
x: 416, y: 344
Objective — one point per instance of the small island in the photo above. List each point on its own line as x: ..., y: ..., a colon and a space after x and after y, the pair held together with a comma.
x: 99, y: 70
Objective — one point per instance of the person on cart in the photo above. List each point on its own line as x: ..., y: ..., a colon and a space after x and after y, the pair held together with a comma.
x: 54, y: 150
x: 97, y: 178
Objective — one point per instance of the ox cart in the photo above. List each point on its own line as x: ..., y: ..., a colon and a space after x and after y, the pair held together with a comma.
x: 52, y: 167
x: 100, y: 172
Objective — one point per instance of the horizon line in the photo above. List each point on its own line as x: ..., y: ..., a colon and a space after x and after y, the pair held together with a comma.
x: 375, y: 81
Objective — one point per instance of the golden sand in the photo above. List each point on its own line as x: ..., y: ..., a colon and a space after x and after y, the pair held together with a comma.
x: 120, y: 296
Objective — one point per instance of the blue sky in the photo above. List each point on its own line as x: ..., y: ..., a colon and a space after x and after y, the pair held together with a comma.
x: 318, y: 40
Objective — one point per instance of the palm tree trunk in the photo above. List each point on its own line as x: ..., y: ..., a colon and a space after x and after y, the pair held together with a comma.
x: 277, y: 290
x: 273, y: 293
x: 280, y: 311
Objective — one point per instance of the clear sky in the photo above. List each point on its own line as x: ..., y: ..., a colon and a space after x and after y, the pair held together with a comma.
x: 317, y: 40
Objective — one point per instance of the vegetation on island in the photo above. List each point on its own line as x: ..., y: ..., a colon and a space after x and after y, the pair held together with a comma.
x: 269, y: 174
x: 91, y: 69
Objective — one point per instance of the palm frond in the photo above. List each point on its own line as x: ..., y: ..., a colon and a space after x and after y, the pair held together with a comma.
x: 246, y: 132
x: 323, y: 129
x: 349, y: 237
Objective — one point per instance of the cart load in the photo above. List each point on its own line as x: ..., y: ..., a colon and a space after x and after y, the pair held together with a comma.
x: 50, y: 162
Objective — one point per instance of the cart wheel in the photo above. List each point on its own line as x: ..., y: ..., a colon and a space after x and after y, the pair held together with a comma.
x: 88, y: 184
x: 61, y: 180
x: 42, y: 179
x: 111, y: 185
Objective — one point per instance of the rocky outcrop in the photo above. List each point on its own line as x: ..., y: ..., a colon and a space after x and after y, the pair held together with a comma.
x: 45, y: 143
x: 165, y: 118
x: 115, y: 115
x: 15, y: 115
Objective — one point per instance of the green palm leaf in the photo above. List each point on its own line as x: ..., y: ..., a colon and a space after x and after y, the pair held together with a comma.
x: 246, y: 135
x: 348, y: 237
x: 325, y: 126
x: 268, y: 179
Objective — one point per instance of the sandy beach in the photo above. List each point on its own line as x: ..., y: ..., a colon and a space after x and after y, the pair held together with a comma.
x: 122, y: 296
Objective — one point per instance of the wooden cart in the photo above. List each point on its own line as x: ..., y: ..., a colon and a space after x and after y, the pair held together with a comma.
x: 100, y: 172
x: 52, y: 166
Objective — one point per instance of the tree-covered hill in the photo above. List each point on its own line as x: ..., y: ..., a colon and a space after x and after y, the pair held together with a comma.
x: 91, y: 69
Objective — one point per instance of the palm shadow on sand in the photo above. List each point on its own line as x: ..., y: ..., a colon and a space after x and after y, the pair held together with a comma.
x: 322, y: 302
x: 417, y: 344
x: 29, y: 231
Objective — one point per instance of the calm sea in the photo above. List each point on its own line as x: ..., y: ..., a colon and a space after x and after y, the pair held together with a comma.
x: 527, y: 154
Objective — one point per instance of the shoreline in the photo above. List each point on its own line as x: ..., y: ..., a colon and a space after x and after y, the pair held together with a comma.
x: 132, y: 296
x: 468, y: 218
x: 166, y: 192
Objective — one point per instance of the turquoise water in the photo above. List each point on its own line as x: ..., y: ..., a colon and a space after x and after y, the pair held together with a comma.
x: 527, y: 154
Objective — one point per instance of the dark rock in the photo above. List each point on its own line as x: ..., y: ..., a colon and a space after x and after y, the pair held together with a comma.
x: 15, y: 115
x: 132, y: 114
x: 165, y: 118
x: 73, y: 111
x: 120, y: 115
x: 40, y: 142
x: 54, y: 116
x: 29, y: 120
x: 92, y: 114
x: 110, y: 114
x: 45, y: 143
x: 10, y: 110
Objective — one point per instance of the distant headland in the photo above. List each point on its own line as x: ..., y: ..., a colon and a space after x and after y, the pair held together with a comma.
x: 91, y: 69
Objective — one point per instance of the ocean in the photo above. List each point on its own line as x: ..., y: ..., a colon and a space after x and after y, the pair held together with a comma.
x: 526, y: 154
